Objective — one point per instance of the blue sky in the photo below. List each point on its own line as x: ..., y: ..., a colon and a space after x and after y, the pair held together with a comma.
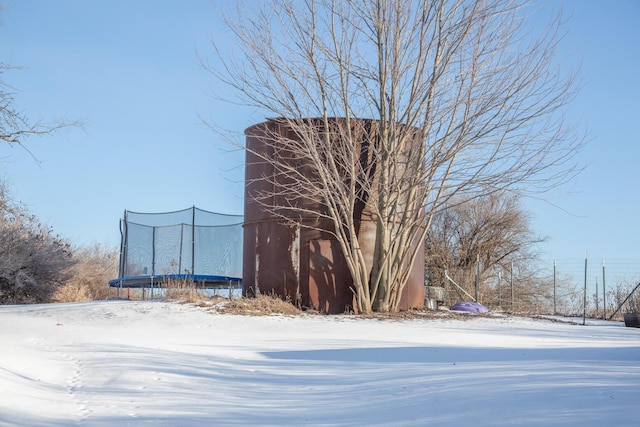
x: 129, y: 69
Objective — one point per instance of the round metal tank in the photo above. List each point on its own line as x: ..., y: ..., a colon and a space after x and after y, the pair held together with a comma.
x: 301, y: 263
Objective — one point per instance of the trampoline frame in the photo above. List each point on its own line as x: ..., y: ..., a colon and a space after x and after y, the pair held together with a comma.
x: 163, y: 281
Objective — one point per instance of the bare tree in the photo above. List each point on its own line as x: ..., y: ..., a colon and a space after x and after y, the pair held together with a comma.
x: 488, y: 242
x: 437, y: 99
x: 481, y: 236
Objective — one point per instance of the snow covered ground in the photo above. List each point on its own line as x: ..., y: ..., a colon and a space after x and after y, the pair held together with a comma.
x: 155, y: 363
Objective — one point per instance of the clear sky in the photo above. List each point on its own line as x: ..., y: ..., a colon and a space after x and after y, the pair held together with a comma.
x: 129, y: 69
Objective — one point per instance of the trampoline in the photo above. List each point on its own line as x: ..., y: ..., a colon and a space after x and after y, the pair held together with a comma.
x: 192, y: 246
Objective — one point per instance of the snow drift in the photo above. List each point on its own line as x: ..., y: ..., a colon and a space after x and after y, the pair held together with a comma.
x: 154, y: 363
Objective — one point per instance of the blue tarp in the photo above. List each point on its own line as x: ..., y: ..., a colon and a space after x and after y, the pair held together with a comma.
x: 472, y: 307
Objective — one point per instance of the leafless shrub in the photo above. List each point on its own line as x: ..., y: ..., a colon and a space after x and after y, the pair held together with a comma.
x: 33, y: 261
x: 621, y: 296
x: 633, y: 303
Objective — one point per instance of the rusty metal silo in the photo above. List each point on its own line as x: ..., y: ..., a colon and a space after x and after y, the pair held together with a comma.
x: 296, y: 259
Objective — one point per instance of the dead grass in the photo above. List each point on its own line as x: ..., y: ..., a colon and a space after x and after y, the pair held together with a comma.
x: 94, y: 266
x: 265, y: 305
x: 424, y: 314
x: 186, y: 291
x: 182, y: 290
x: 262, y: 305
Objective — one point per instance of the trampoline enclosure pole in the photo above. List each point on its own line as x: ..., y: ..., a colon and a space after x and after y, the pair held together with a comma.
x: 153, y: 251
x: 123, y: 245
x: 180, y: 255
x: 193, y: 239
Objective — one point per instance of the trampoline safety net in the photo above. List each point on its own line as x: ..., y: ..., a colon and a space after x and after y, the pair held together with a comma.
x: 191, y: 242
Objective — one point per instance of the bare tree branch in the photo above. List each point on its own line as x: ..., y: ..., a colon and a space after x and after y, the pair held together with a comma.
x: 15, y: 126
